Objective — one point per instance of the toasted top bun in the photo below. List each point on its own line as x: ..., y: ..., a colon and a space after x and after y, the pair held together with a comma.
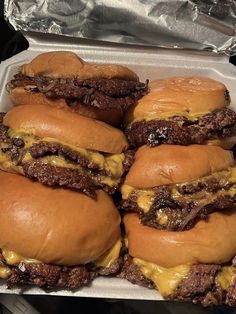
x: 202, y: 244
x: 19, y: 96
x: 180, y: 95
x: 171, y: 164
x: 65, y: 126
x: 55, y: 225
x: 68, y: 64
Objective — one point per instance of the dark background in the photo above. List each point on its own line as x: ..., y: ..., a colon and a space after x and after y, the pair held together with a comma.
x: 11, y: 43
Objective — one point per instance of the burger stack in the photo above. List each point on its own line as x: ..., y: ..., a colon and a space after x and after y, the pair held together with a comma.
x: 59, y: 165
x: 180, y: 193
x: 64, y: 156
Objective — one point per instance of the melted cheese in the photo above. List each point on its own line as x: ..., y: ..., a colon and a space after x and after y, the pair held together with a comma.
x: 233, y: 175
x: 107, y: 181
x: 5, y: 272
x: 126, y: 241
x: 109, y: 257
x: 232, y: 191
x: 58, y: 161
x: 126, y: 190
x: 203, y: 197
x: 61, y: 162
x: 168, y: 115
x: 146, y: 197
x: 111, y: 163
x: 145, y: 200
x: 162, y: 219
x: 115, y: 164
x: 166, y: 280
x: 13, y: 258
x: 226, y: 276
x: 6, y: 163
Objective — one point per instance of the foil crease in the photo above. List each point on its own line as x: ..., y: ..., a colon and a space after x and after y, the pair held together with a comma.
x: 197, y: 24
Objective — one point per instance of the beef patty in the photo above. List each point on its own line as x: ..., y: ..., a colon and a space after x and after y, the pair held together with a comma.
x: 100, y: 93
x: 181, y: 131
x: 56, y: 164
x: 178, y: 207
x: 50, y: 276
x: 200, y: 285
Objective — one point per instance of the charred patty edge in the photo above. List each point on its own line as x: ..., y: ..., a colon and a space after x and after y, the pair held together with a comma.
x: 181, y: 215
x: 52, y: 175
x: 49, y: 276
x: 179, y: 130
x: 103, y: 94
x: 199, y: 286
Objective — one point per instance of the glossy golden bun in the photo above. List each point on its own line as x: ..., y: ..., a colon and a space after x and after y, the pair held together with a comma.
x: 55, y: 226
x: 209, y: 242
x: 171, y: 164
x: 64, y: 64
x: 19, y: 96
x: 180, y: 95
x: 65, y: 126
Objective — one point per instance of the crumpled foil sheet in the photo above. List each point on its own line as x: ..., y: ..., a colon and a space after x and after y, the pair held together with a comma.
x: 197, y: 24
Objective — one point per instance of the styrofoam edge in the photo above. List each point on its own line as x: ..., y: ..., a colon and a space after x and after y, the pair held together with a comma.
x: 130, y: 56
x: 108, y: 288
x: 147, y: 57
x: 38, y: 41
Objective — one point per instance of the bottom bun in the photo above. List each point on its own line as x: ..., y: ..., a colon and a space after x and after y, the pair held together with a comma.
x: 203, y: 244
x: 55, y: 226
x: 21, y: 97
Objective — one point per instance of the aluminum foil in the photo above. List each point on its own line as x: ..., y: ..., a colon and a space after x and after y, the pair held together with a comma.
x: 197, y: 24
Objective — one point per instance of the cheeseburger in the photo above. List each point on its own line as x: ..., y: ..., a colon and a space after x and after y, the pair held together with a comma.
x: 182, y: 111
x: 172, y: 186
x: 63, y: 79
x: 53, y: 238
x: 60, y: 148
x: 196, y: 265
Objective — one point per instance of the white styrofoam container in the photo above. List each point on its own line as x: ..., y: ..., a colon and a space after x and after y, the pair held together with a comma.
x: 151, y: 63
